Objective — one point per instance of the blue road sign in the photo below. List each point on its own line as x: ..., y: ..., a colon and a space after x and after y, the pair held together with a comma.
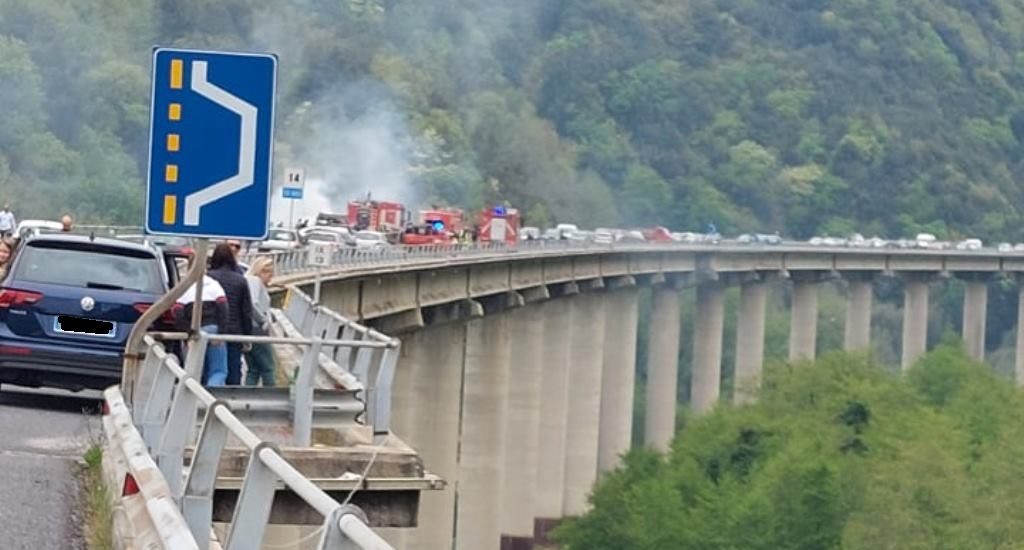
x: 210, y: 143
x: 291, y: 192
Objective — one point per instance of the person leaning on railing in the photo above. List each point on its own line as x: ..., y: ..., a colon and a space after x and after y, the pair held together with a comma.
x: 214, y: 317
x: 260, y: 357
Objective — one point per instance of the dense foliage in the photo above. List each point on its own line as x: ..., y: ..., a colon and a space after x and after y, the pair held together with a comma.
x: 803, y: 116
x: 836, y: 454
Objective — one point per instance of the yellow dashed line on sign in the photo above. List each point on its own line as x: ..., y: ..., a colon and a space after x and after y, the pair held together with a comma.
x: 173, y: 142
x: 170, y: 208
x: 174, y: 111
x: 177, y: 71
x: 171, y: 173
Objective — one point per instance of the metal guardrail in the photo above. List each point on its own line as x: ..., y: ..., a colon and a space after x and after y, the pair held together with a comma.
x: 168, y: 432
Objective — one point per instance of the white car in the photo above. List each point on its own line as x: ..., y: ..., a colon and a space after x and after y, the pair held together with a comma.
x: 529, y: 233
x: 969, y: 244
x: 566, y: 230
x: 281, y: 240
x: 339, y: 237
x: 31, y: 228
x: 686, y: 237
x: 925, y: 240
x: 1004, y: 247
x: 877, y: 242
x: 370, y: 240
x: 603, y: 236
x: 857, y: 240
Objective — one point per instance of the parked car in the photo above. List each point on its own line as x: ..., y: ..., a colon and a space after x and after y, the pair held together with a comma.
x: 603, y: 236
x: 856, y: 240
x: 279, y: 239
x: 1004, y: 247
x: 877, y: 242
x: 335, y: 236
x: 759, y: 238
x: 371, y: 240
x: 925, y: 240
x: 67, y: 305
x: 31, y: 228
x: 566, y: 230
x: 529, y: 233
x: 969, y: 244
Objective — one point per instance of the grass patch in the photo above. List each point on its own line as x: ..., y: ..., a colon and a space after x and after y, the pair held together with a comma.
x: 99, y: 512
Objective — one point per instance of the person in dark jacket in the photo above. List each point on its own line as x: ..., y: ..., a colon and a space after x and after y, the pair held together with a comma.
x: 224, y: 269
x: 214, y: 316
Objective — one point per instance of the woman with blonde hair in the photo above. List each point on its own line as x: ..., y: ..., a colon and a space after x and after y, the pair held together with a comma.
x: 260, y: 357
x: 6, y: 254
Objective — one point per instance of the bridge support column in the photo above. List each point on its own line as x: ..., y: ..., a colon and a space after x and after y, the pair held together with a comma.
x: 803, y: 320
x: 915, y: 320
x: 521, y: 426
x: 437, y: 383
x: 554, y: 405
x: 1018, y: 370
x: 485, y: 382
x: 662, y: 368
x: 618, y: 377
x: 706, y: 378
x: 750, y: 340
x: 975, y: 309
x: 584, y: 413
x: 857, y: 335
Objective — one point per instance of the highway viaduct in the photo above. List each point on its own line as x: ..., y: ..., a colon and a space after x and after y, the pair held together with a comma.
x: 516, y: 378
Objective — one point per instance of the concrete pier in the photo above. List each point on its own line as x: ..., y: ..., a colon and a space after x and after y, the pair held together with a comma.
x: 915, y: 320
x: 485, y: 382
x: 584, y: 414
x: 975, y: 312
x: 618, y: 377
x: 803, y: 320
x: 662, y: 368
x: 750, y: 340
x: 554, y: 405
x: 521, y: 426
x: 707, y: 347
x: 857, y: 336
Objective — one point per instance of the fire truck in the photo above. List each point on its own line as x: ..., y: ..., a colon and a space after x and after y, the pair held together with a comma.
x: 443, y: 219
x: 498, y: 224
x: 383, y: 216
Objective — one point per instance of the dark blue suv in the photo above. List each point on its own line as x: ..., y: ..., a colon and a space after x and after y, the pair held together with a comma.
x: 67, y: 305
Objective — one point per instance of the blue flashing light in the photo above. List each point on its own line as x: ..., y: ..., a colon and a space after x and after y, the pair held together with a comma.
x: 438, y: 225
x: 499, y: 211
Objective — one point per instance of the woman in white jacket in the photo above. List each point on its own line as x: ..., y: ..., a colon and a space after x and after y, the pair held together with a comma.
x: 260, y: 357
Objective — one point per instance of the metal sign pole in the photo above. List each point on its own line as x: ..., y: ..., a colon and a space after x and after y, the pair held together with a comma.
x: 316, y: 286
x: 197, y: 306
x: 291, y: 213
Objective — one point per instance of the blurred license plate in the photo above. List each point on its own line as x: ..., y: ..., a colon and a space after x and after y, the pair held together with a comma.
x: 79, y: 325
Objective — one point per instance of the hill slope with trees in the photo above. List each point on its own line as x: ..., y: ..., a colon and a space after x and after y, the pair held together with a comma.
x: 802, y: 116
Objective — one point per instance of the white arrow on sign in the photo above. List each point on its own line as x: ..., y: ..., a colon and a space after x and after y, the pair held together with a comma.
x: 246, y: 149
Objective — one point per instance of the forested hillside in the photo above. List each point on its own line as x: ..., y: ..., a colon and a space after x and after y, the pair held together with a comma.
x: 839, y: 454
x: 802, y: 116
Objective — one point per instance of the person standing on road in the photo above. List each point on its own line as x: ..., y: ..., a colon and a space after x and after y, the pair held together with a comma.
x: 224, y: 269
x: 7, y: 222
x: 214, y: 317
x: 236, y: 250
x: 260, y: 358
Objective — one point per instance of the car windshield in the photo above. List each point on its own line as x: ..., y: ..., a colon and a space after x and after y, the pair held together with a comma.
x: 89, y: 267
x: 369, y: 236
x: 280, y: 235
x: 322, y: 237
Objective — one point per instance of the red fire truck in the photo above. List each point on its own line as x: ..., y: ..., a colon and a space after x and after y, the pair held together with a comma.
x: 383, y: 216
x: 498, y: 224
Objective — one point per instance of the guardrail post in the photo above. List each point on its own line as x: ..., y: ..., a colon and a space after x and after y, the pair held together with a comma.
x: 335, y: 538
x: 154, y: 412
x: 150, y: 366
x: 180, y: 423
x: 196, y: 357
x: 302, y: 395
x: 255, y: 500
x: 197, y: 500
x: 379, y: 395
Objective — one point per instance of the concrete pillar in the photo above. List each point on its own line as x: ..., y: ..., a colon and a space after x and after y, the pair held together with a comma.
x: 803, y: 320
x: 521, y: 426
x: 584, y: 415
x: 858, y: 315
x: 662, y: 368
x: 706, y: 379
x: 618, y: 377
x: 554, y: 406
x: 1019, y: 364
x: 750, y: 340
x: 437, y: 382
x: 485, y: 382
x: 915, y: 320
x: 975, y: 307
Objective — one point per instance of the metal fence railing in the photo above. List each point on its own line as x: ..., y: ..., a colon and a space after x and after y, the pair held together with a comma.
x: 165, y: 413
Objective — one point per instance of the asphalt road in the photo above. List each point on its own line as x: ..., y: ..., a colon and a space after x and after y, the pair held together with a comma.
x: 43, y: 435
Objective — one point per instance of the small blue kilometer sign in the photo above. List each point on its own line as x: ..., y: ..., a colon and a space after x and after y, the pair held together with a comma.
x: 291, y: 192
x: 211, y: 143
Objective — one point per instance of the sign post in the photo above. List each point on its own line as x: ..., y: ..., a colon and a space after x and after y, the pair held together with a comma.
x: 210, y: 158
x: 295, y: 183
x: 319, y: 257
